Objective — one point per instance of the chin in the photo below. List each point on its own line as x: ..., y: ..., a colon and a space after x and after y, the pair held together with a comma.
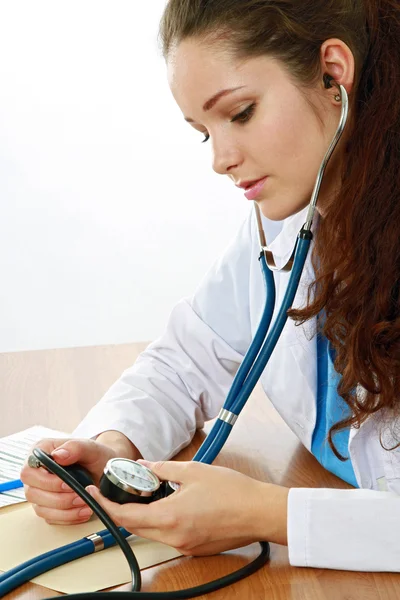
x: 277, y: 211
x: 274, y: 212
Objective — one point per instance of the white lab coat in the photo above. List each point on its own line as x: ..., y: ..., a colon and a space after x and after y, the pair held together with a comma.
x: 181, y: 380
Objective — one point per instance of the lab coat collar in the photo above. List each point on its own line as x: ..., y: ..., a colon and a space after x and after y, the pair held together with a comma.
x: 282, y: 246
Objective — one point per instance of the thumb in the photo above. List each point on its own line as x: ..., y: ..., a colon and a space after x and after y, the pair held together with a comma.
x: 175, y: 471
x: 73, y: 451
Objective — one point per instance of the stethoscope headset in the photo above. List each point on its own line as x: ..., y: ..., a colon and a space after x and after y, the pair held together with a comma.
x: 124, y: 480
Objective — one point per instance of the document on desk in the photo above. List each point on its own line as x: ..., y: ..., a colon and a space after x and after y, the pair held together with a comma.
x: 13, y: 451
x: 24, y: 536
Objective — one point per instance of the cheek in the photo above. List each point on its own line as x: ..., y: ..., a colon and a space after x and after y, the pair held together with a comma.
x: 296, y: 143
x: 295, y: 149
x: 292, y: 156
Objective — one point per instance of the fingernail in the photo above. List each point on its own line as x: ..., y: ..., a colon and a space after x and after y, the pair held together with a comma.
x: 65, y: 486
x: 145, y: 463
x: 91, y: 489
x: 85, y: 512
x: 61, y: 453
x: 78, y: 501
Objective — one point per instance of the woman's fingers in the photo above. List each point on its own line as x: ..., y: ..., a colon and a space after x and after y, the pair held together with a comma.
x: 56, y: 516
x: 47, y: 499
x: 175, y: 471
x: 65, y: 508
x: 131, y: 516
x: 41, y: 478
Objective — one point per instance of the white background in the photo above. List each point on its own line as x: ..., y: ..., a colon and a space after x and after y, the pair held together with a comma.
x: 110, y: 209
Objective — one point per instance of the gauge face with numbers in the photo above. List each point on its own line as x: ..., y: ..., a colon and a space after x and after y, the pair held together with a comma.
x: 129, y: 474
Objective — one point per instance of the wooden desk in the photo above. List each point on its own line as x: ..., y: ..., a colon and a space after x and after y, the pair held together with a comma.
x: 56, y: 388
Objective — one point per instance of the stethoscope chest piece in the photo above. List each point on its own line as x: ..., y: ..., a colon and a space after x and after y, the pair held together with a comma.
x: 126, y: 480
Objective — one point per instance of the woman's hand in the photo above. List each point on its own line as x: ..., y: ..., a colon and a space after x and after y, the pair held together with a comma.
x: 216, y: 509
x: 54, y: 500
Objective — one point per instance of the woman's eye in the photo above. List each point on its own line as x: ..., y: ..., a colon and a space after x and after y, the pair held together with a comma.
x: 245, y: 115
x: 242, y: 118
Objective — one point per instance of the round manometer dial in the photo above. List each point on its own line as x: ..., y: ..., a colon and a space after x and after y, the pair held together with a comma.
x: 126, y: 480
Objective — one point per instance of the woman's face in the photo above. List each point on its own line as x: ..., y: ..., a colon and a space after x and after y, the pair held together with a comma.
x: 266, y: 128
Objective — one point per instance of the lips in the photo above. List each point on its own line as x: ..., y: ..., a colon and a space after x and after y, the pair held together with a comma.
x: 248, y: 184
x: 255, y: 189
x: 251, y: 184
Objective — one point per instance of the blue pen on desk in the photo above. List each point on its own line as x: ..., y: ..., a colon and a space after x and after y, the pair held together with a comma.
x: 10, y: 485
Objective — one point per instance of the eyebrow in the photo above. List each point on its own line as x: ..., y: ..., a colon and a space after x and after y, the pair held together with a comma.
x: 213, y: 101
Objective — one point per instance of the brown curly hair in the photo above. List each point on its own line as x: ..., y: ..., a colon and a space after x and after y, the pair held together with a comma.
x: 356, y: 255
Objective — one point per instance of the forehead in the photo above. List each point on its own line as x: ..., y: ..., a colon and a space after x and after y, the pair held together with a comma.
x: 196, y: 71
x: 192, y: 59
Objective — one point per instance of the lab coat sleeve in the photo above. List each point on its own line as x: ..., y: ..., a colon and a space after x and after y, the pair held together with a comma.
x: 183, y: 377
x: 354, y: 530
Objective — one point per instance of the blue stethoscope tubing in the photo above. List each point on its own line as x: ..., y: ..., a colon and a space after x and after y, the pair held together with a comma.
x: 248, y: 374
x: 258, y: 354
x: 55, y: 558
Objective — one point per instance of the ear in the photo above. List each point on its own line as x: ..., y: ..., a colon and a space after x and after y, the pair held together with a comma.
x: 337, y: 60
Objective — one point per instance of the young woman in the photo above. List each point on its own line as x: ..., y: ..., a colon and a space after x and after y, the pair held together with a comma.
x: 250, y: 75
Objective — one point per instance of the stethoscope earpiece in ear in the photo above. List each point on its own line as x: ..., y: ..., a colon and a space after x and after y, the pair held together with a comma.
x: 328, y: 85
x: 327, y: 79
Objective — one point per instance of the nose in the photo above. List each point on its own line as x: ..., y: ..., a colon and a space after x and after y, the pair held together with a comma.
x: 225, y: 155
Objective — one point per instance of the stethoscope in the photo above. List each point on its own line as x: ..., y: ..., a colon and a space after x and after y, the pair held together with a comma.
x: 126, y: 480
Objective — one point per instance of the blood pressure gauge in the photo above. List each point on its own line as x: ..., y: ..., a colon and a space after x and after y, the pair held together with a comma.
x: 123, y: 480
x: 126, y: 480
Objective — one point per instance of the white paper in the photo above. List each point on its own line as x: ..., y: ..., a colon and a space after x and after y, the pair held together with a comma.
x: 14, y: 450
